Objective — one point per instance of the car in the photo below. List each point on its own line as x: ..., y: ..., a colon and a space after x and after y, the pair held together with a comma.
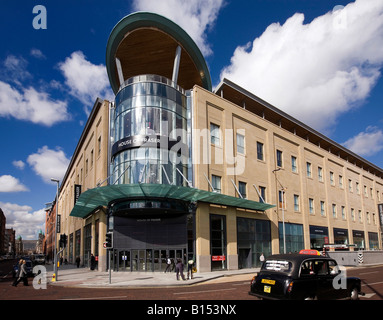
x: 303, y: 277
x: 39, y: 259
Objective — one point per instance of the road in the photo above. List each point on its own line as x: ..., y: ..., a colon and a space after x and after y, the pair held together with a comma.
x: 228, y: 288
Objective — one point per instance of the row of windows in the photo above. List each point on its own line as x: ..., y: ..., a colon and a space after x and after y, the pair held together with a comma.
x: 216, y: 140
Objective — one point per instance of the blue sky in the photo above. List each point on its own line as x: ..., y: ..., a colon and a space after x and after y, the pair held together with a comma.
x: 318, y: 60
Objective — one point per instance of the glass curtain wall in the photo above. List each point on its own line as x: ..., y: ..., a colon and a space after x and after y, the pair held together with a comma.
x: 150, y: 132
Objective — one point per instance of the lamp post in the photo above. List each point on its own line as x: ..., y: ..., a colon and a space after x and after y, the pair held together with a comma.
x: 282, y: 190
x: 55, y: 246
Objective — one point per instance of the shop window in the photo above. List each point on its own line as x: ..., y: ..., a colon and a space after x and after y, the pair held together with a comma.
x: 215, y: 134
x: 218, y: 242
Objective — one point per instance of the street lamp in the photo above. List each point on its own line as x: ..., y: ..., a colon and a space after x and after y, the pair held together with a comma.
x: 57, y: 211
x: 282, y: 190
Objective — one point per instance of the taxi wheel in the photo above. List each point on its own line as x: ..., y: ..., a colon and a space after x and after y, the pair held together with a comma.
x: 311, y: 298
x: 354, y: 295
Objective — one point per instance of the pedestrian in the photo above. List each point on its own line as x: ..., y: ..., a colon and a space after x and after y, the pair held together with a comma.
x: 190, y: 268
x: 22, y: 275
x: 78, y: 260
x: 168, y: 264
x: 17, y: 274
x: 92, y: 262
x: 262, y: 258
x: 180, y: 269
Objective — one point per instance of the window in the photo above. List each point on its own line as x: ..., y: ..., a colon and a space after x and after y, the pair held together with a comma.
x: 260, y: 151
x: 320, y: 174
x: 340, y: 182
x: 86, y: 166
x: 262, y: 191
x: 296, y: 202
x: 343, y: 213
x: 91, y: 159
x: 294, y: 167
x: 281, y: 198
x: 350, y: 185
x: 332, y: 178
x: 311, y: 206
x: 215, y: 134
x: 357, y: 187
x: 352, y: 214
x: 216, y: 183
x: 334, y: 210
x: 322, y: 209
x: 242, y: 189
x: 279, y: 158
x: 360, y: 215
x: 99, y: 146
x: 218, y: 241
x: 240, y: 143
x: 308, y: 169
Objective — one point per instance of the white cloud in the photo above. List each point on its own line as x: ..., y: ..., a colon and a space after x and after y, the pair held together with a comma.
x: 19, y: 164
x: 23, y: 221
x: 31, y: 105
x: 366, y: 143
x: 37, y: 53
x: 11, y: 184
x: 85, y: 80
x: 49, y: 163
x: 194, y: 16
x: 315, y: 71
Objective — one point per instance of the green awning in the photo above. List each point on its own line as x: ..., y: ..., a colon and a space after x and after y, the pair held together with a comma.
x: 93, y: 199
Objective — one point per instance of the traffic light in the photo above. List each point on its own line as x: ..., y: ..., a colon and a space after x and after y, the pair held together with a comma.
x: 63, y: 240
x: 108, y: 244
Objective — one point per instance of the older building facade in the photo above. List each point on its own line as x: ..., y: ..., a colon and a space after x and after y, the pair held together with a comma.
x: 172, y: 169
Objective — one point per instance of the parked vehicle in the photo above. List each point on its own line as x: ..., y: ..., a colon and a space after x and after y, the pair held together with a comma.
x: 303, y: 277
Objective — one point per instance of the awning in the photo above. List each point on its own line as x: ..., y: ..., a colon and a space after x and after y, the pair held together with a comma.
x: 93, y: 199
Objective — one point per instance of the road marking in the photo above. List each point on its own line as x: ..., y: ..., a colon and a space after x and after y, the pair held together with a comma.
x: 205, y: 291
x: 368, y: 295
x: 95, y: 298
x: 371, y: 284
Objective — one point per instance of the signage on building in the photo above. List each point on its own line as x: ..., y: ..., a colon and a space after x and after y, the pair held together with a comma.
x: 77, y: 192
x: 218, y: 258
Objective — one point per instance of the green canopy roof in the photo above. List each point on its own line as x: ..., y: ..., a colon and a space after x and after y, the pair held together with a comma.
x: 95, y: 198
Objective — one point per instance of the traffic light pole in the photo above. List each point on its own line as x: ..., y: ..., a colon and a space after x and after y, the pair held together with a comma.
x: 110, y: 269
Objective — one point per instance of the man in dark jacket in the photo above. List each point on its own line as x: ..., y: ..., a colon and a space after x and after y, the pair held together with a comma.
x: 180, y: 269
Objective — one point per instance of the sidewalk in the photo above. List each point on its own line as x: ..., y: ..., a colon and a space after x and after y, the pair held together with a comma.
x: 71, y: 276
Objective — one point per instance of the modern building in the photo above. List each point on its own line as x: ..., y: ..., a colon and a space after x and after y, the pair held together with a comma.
x: 172, y: 168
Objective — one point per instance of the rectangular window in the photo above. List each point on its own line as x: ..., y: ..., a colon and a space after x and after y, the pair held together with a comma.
x: 308, y: 169
x: 215, y: 134
x: 262, y: 191
x: 296, y: 202
x: 311, y: 206
x: 320, y: 174
x: 240, y: 143
x: 343, y: 213
x: 334, y: 210
x: 340, y: 181
x: 294, y: 167
x: 99, y: 146
x: 242, y: 189
x: 279, y: 158
x: 332, y: 178
x: 260, y: 151
x: 352, y: 214
x: 322, y: 209
x: 216, y: 183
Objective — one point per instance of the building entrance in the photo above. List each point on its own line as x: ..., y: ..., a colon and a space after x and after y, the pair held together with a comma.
x: 147, y: 259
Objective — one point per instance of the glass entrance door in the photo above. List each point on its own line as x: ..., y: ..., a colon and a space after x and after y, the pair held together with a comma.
x: 124, y: 261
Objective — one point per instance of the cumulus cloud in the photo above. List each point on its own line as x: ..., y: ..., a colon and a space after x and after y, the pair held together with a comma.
x: 196, y: 17
x: 23, y: 220
x: 366, y: 143
x: 31, y: 105
x: 48, y: 163
x: 19, y: 164
x: 11, y: 184
x: 86, y: 81
x: 315, y: 71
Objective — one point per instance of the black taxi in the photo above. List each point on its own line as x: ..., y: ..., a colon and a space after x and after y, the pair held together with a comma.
x: 303, y: 277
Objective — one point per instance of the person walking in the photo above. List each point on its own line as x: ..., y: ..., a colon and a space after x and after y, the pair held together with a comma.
x: 180, y: 269
x: 92, y: 262
x: 190, y: 268
x: 78, y: 260
x: 17, y: 274
x: 168, y: 264
x: 22, y: 275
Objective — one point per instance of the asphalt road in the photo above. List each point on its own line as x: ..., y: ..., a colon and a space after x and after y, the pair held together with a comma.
x: 228, y: 288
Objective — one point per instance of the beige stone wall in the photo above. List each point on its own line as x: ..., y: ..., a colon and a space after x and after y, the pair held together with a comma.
x: 351, y: 188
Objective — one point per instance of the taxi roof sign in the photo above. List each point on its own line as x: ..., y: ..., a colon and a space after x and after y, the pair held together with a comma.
x: 310, y: 252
